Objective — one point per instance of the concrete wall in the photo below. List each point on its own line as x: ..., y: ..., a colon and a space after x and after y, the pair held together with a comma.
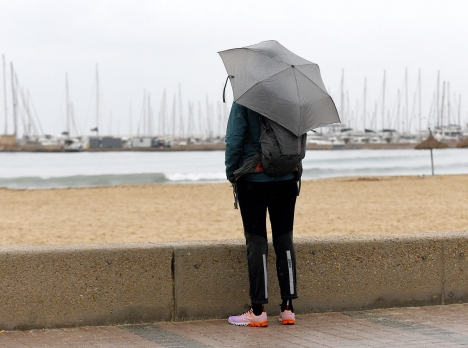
x: 57, y: 286
x: 100, y: 284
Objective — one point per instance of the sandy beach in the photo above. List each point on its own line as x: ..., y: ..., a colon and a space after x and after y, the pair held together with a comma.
x: 146, y: 213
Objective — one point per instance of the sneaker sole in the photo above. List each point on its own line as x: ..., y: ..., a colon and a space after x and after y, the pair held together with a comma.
x: 261, y: 324
x: 287, y: 321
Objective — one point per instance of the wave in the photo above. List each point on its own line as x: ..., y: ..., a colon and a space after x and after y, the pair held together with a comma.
x: 192, y: 177
x: 385, y: 170
x: 35, y: 182
x: 316, y: 172
x: 375, y: 160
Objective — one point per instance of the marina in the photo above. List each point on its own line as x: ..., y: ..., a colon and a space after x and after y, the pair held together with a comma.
x: 329, y: 138
x: 395, y: 121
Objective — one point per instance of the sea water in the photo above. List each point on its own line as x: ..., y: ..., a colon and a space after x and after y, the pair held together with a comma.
x: 84, y: 169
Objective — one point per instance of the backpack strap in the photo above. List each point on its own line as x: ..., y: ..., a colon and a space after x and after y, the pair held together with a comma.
x: 234, y: 192
x: 299, y: 177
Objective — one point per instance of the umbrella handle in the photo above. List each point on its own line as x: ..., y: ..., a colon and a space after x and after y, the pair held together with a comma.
x: 224, y: 90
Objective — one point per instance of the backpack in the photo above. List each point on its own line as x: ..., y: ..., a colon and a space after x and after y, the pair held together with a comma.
x: 281, y: 153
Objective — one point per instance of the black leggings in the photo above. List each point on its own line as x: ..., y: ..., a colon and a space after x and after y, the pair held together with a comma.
x: 279, y: 198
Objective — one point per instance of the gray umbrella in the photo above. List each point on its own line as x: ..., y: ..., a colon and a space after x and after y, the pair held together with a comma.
x: 273, y: 81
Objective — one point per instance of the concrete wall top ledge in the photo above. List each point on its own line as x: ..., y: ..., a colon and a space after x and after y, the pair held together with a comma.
x: 70, y: 248
x: 53, y: 248
x: 409, y: 237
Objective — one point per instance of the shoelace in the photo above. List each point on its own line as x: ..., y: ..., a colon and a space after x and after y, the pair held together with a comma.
x: 250, y: 310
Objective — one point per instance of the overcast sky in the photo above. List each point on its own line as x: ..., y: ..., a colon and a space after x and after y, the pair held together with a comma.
x: 157, y: 45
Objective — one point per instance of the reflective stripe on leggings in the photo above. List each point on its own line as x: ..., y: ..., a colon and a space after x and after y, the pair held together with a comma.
x: 291, y: 279
x: 265, y: 274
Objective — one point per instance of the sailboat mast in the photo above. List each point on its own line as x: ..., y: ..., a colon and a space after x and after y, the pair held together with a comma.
x: 419, y: 101
x: 397, y: 123
x: 173, y: 117
x: 383, y: 99
x: 130, y: 119
x: 5, y: 95
x: 374, y: 116
x: 442, y: 105
x: 31, y: 122
x: 437, y: 99
x: 67, y: 101
x: 24, y: 115
x: 150, y: 115
x: 342, y: 96
x: 406, y: 102
x: 200, y: 120
x: 181, y: 115
x: 356, y: 115
x: 143, y: 115
x: 15, y: 100
x: 162, y: 115
x: 365, y: 103
x: 448, y: 103
x: 191, y: 126
x: 97, y: 99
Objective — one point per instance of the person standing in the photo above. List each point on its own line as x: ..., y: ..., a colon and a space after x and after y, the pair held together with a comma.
x: 257, y: 193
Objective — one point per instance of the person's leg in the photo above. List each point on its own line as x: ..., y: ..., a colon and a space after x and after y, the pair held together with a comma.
x: 253, y: 211
x: 281, y: 205
x: 253, y: 206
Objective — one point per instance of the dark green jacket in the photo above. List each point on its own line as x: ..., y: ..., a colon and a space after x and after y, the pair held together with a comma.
x: 244, y: 123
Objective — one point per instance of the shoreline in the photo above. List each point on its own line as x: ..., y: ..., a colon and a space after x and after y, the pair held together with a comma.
x: 224, y: 182
x: 214, y: 147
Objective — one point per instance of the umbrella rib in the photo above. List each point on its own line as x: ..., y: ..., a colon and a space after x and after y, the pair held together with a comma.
x: 299, y: 98
x: 328, y: 95
x: 261, y: 81
x: 283, y: 49
x: 312, y: 81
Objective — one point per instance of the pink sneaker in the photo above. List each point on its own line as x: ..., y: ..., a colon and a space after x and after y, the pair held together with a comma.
x: 287, y: 318
x: 249, y: 319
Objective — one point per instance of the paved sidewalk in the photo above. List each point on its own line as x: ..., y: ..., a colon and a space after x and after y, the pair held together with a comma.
x: 436, y: 326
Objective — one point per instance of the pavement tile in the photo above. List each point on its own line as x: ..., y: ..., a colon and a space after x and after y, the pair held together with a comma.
x: 432, y: 326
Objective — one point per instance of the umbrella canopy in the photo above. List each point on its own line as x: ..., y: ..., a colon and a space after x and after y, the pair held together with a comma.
x: 431, y: 143
x: 273, y: 81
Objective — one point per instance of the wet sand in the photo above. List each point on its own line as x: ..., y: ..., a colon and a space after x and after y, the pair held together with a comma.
x: 153, y: 213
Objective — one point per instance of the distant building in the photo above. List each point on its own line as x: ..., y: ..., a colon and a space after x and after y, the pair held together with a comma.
x: 94, y: 142
x: 142, y: 142
x: 111, y: 143
x: 105, y: 143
